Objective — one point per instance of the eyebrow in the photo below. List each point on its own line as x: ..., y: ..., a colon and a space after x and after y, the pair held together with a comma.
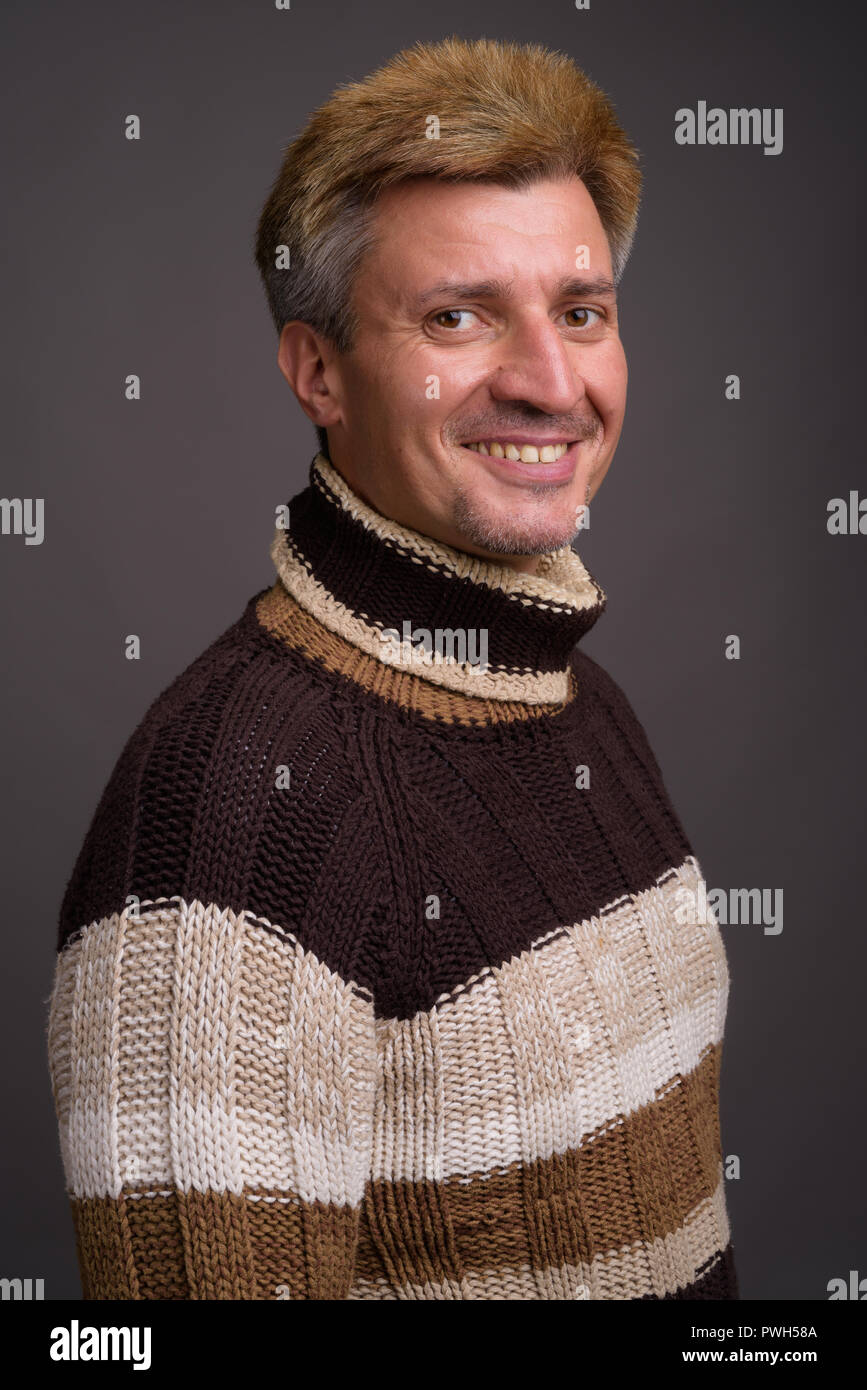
x: 574, y: 286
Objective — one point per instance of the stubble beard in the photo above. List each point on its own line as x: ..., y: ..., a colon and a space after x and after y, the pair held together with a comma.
x: 507, y: 537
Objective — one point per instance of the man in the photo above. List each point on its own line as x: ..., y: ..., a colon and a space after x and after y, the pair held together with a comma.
x: 374, y: 979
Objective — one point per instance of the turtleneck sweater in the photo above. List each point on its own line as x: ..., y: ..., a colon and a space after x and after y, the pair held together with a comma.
x: 373, y: 979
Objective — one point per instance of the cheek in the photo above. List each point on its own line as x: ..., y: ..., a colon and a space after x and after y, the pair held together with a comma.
x: 437, y: 395
x: 417, y: 385
x: 606, y: 386
x: 447, y: 380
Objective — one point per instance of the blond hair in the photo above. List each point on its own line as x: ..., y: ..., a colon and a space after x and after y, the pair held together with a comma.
x: 508, y: 113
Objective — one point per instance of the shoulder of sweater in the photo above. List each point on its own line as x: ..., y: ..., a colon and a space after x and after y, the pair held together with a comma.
x: 615, y: 714
x: 244, y: 663
x: 604, y: 690
x: 241, y: 786
x: 613, y: 710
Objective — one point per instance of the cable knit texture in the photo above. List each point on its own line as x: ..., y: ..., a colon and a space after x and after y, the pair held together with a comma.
x: 374, y: 979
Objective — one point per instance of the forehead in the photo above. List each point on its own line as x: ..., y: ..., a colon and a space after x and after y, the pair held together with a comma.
x: 427, y: 227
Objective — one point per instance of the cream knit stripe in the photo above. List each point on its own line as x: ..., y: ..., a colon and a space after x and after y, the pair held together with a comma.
x: 229, y: 1059
x: 147, y: 1127
x: 658, y: 1267
x: 493, y: 683
x: 565, y: 582
x: 205, y: 1142
x: 84, y: 1054
x: 190, y: 1049
x: 558, y: 1042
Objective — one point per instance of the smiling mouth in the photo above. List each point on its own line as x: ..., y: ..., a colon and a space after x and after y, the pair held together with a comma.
x: 521, y: 453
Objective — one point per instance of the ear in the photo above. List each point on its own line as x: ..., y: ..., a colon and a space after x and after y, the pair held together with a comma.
x: 304, y: 357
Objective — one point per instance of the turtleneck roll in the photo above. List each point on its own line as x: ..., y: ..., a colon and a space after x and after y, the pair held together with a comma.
x: 363, y: 576
x: 374, y: 978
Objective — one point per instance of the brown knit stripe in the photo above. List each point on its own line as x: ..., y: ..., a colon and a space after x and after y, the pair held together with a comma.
x: 531, y: 686
x: 279, y: 614
x: 561, y: 1268
x: 248, y: 1247
x: 280, y: 1238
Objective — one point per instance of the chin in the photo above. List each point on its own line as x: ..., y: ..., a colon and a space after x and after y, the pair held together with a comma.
x: 506, y: 536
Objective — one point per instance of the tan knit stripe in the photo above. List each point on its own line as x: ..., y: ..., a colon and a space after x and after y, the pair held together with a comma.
x: 656, y: 1265
x: 281, y: 615
x: 563, y: 581
x: 182, y: 1055
x: 555, y: 1044
x: 534, y: 686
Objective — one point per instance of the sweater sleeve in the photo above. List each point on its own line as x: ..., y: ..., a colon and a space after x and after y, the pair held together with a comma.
x: 210, y: 1031
x: 213, y: 1084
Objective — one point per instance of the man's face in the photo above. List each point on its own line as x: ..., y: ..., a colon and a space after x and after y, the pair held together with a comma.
x: 476, y: 326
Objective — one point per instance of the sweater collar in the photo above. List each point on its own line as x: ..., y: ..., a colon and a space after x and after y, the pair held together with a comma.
x: 421, y: 607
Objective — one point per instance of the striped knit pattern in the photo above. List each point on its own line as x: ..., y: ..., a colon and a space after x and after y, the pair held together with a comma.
x: 358, y: 995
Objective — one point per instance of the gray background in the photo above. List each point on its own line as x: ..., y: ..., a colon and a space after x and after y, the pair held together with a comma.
x: 136, y: 257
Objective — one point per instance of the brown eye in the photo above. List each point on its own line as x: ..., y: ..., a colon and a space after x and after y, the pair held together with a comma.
x: 452, y: 314
x: 582, y: 309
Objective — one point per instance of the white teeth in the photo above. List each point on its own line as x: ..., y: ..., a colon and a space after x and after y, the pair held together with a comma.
x: 528, y: 453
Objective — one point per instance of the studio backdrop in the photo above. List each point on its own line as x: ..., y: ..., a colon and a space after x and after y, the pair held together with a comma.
x: 150, y: 438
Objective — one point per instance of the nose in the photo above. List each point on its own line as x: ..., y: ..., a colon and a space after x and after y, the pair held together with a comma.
x: 536, y: 365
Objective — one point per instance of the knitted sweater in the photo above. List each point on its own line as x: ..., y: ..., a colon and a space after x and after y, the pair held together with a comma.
x: 371, y: 980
